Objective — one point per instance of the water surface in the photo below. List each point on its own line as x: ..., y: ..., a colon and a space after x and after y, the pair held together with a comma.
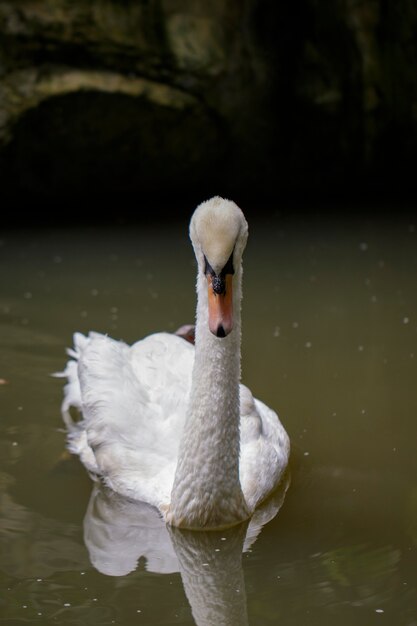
x: 329, y: 341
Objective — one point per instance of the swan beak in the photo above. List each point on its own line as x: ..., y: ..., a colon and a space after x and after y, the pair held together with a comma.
x: 220, y: 307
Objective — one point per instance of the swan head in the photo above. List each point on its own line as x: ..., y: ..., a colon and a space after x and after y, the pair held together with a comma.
x: 218, y: 232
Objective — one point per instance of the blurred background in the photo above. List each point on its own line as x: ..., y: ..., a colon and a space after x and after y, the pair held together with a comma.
x: 150, y: 104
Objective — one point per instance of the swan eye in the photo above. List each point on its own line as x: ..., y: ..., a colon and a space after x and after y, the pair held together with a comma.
x: 228, y: 268
x: 207, y: 268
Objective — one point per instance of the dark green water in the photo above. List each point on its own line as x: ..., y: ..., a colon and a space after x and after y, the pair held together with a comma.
x: 329, y: 341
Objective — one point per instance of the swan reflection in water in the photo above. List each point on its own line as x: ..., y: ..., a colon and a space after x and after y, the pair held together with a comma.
x: 118, y: 532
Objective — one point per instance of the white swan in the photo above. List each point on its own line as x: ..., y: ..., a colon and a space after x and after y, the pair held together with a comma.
x: 170, y: 425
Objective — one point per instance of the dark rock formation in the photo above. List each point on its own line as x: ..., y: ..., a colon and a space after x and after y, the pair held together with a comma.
x: 150, y: 98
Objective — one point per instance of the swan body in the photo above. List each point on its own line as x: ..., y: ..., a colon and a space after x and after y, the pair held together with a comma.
x: 169, y: 424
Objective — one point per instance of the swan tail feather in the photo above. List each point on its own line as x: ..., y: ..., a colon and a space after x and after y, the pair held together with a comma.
x: 72, y: 391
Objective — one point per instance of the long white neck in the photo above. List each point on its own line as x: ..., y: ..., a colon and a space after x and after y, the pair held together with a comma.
x: 207, y: 491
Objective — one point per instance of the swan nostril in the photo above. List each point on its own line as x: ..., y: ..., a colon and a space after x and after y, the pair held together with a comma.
x: 220, y: 331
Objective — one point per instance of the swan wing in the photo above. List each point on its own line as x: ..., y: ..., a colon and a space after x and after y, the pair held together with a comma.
x: 133, y: 402
x: 265, y: 448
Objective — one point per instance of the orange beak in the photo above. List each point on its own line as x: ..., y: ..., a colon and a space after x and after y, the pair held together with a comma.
x: 220, y: 307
